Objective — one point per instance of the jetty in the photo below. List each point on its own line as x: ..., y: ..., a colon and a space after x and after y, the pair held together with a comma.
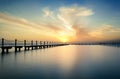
x: 6, y: 45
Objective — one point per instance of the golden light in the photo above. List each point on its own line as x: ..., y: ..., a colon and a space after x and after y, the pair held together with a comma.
x: 64, y: 36
x: 63, y: 39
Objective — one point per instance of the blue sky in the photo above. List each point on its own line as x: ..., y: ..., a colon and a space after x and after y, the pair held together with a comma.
x: 30, y: 8
x: 104, y: 15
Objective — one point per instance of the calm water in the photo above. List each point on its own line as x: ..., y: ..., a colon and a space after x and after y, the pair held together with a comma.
x: 64, y: 62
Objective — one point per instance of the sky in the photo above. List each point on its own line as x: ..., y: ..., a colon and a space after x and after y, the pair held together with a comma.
x: 60, y: 20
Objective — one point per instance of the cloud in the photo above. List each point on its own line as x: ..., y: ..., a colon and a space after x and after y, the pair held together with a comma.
x: 40, y: 30
x: 9, y: 19
x: 67, y: 15
x: 65, y: 22
x: 108, y: 28
x: 70, y: 20
x: 105, y: 31
x: 47, y: 12
x: 76, y: 11
x: 81, y: 33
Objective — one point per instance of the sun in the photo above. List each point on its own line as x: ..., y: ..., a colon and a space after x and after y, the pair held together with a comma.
x: 63, y: 39
x: 64, y: 36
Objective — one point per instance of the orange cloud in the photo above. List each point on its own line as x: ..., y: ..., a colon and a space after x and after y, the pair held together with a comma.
x: 106, y: 32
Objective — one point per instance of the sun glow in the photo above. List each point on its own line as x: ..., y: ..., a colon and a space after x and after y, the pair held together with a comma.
x: 63, y: 36
x: 64, y: 39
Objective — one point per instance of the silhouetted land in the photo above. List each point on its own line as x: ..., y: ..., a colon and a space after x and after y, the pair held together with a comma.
x: 111, y: 43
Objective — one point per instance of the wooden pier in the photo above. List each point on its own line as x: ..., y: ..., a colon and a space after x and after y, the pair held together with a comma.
x: 33, y: 45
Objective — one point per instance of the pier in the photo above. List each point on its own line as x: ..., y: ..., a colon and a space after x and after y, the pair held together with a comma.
x: 6, y: 45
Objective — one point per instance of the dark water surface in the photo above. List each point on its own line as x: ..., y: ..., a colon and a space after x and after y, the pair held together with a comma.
x: 64, y: 62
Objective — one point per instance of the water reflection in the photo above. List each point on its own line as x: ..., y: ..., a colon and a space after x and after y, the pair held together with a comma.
x: 65, y: 62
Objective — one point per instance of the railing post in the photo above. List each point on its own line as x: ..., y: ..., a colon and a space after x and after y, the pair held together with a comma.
x: 32, y: 44
x: 15, y: 42
x: 36, y: 45
x: 15, y: 45
x: 40, y: 46
x: 3, y: 45
x: 44, y: 42
x: 2, y: 42
x: 44, y: 45
x: 50, y: 44
x: 25, y: 44
x: 40, y: 43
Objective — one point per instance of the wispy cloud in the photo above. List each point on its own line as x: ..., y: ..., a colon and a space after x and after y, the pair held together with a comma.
x: 108, y: 28
x: 67, y: 18
x: 106, y: 31
x: 59, y: 23
x: 9, y: 19
x: 64, y: 22
x: 47, y: 12
x: 76, y: 11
